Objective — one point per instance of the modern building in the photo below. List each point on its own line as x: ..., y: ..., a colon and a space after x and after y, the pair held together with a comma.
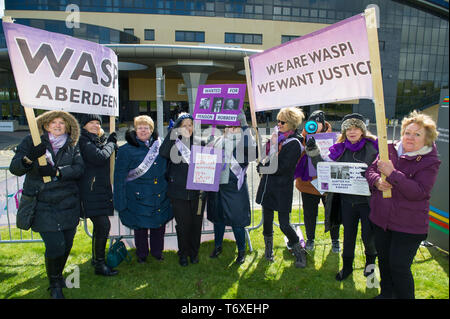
x: 204, y: 42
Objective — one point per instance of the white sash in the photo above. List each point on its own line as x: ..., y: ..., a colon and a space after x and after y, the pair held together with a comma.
x: 291, y: 139
x: 238, y: 171
x: 184, y: 150
x: 146, y: 163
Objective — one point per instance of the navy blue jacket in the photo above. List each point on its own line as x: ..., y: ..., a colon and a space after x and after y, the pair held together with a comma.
x: 143, y: 202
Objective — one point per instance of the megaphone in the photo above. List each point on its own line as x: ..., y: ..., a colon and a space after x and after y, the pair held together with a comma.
x: 311, y: 127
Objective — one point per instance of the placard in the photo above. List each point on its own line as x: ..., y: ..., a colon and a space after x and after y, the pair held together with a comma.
x: 342, y: 177
x: 219, y: 104
x: 204, y: 168
x: 323, y: 141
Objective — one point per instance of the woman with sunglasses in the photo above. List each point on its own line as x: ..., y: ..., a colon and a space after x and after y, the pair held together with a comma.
x: 277, y: 182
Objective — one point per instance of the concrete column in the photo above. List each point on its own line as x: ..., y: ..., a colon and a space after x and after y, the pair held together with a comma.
x: 192, y: 81
x: 159, y: 101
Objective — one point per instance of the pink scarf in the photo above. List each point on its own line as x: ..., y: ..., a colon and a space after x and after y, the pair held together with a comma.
x: 57, y: 142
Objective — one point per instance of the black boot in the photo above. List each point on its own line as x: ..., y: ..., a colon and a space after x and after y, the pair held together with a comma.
x: 346, y: 270
x: 300, y: 255
x: 370, y: 260
x: 62, y: 264
x: 53, y: 266
x: 240, y: 257
x: 101, y: 268
x: 216, y: 252
x: 268, y: 241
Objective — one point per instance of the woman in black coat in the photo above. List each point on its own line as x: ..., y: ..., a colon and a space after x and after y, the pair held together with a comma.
x: 176, y: 149
x: 275, y: 190
x: 57, y: 211
x: 95, y: 186
x: 230, y: 206
x: 354, y: 145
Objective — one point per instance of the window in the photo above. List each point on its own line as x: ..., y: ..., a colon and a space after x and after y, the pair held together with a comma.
x: 149, y: 34
x: 246, y: 38
x: 129, y: 31
x: 190, y: 36
x: 287, y: 38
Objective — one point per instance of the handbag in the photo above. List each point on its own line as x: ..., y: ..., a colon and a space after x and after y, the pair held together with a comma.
x: 25, y: 213
x: 117, y: 253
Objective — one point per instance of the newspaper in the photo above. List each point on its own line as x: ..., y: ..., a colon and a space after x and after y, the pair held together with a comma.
x: 346, y: 178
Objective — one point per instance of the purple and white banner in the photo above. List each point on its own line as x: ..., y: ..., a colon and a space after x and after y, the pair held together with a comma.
x: 59, y: 72
x: 328, y: 65
x: 219, y: 104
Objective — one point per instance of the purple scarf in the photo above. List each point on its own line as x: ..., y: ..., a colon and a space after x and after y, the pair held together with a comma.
x: 338, y: 149
x: 56, y: 142
x: 281, y: 138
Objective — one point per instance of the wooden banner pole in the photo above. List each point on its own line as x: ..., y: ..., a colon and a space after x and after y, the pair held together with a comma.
x: 112, y: 159
x: 377, y: 84
x: 31, y: 119
x: 252, y: 104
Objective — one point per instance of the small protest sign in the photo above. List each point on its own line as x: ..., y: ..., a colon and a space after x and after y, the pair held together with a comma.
x: 341, y: 177
x: 219, y: 104
x: 323, y: 141
x: 204, y: 168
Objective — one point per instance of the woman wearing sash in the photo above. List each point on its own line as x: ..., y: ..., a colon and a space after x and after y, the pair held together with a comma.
x: 140, y: 188
x: 230, y: 206
x: 276, y: 187
x: 176, y: 148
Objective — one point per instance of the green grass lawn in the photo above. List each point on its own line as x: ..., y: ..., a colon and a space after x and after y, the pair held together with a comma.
x: 22, y: 273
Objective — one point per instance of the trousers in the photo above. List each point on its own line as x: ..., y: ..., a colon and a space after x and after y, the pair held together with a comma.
x: 351, y: 215
x: 58, y: 243
x: 239, y: 235
x: 396, y: 251
x: 310, y: 211
x: 141, y: 239
x: 285, y: 226
x: 189, y: 226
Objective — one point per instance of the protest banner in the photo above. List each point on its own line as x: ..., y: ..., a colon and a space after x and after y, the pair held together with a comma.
x: 204, y: 168
x: 219, y: 104
x: 328, y: 65
x: 338, y: 63
x: 341, y: 177
x: 58, y: 72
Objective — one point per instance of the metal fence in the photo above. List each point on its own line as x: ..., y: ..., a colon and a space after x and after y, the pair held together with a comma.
x: 11, y: 188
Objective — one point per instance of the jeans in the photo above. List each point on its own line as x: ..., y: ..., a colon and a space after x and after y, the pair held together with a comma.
x: 396, y: 251
x: 285, y: 226
x: 239, y: 235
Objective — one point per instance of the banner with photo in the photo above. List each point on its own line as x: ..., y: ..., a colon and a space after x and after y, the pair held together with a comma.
x: 328, y: 65
x: 219, y: 104
x: 341, y: 177
x: 59, y: 72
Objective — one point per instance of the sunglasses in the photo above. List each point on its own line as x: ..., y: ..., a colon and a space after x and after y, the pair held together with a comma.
x: 281, y: 122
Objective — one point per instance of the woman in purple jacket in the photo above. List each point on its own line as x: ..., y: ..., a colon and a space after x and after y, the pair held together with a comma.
x: 401, y: 222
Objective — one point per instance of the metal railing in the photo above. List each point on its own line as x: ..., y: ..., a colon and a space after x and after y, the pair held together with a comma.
x: 10, y: 192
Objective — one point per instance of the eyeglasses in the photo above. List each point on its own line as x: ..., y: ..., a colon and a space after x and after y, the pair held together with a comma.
x: 281, y: 122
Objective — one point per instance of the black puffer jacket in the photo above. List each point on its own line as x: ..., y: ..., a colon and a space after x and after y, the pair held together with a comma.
x: 95, y: 183
x: 275, y: 191
x: 58, y: 206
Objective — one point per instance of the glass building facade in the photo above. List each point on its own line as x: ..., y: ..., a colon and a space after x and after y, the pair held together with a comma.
x: 414, y: 41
